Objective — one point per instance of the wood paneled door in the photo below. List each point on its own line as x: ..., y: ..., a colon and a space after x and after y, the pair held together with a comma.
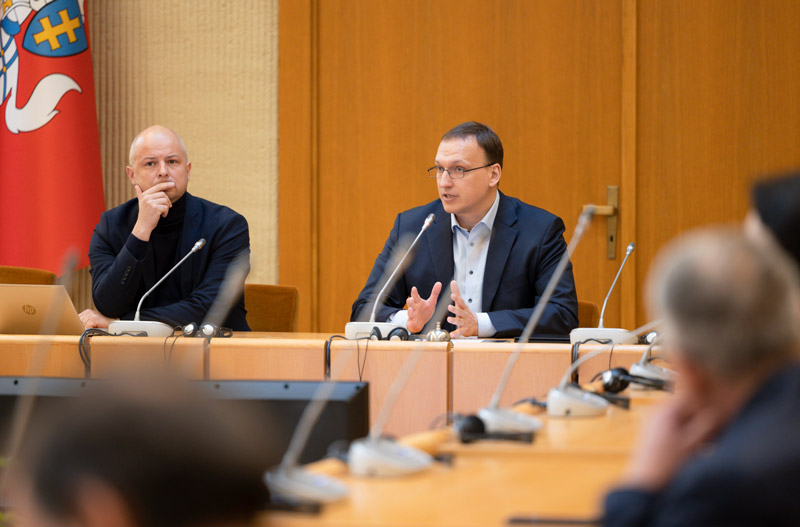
x: 583, y: 94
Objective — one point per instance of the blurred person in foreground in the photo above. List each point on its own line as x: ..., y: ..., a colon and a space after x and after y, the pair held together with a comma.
x: 165, y: 459
x: 726, y: 449
x: 775, y: 212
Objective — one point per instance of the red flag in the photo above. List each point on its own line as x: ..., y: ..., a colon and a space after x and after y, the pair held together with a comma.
x: 51, y: 185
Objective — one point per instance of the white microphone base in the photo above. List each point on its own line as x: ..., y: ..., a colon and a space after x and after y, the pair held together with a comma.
x: 360, y: 330
x: 150, y: 328
x: 384, y: 457
x: 305, y: 487
x: 616, y: 335
x: 652, y: 371
x: 500, y: 420
x: 570, y: 401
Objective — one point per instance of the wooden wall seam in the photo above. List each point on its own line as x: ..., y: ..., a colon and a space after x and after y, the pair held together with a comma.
x: 628, y: 176
x: 315, y: 186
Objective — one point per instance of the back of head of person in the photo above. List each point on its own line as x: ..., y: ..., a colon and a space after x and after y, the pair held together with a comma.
x: 729, y: 307
x: 729, y: 311
x: 775, y: 212
x: 162, y: 457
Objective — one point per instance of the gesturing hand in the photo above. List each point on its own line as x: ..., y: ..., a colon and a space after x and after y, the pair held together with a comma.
x: 420, y: 310
x: 464, y: 319
x: 153, y: 204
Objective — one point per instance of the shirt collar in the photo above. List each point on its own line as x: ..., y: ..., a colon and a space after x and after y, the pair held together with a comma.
x: 487, y: 220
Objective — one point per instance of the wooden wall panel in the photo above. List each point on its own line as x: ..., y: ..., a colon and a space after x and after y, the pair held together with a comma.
x: 683, y: 103
x: 210, y: 73
x: 393, y: 76
x: 718, y: 104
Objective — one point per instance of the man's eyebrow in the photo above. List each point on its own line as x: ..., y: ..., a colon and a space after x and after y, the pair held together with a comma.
x: 455, y: 162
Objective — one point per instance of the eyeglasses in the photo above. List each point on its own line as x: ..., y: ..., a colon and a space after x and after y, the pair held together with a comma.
x: 455, y: 172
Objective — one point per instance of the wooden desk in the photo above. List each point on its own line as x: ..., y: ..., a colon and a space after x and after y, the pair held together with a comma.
x: 475, y: 491
x: 425, y: 397
x: 61, y: 355
x: 268, y: 356
x: 565, y: 473
x: 614, y: 433
x: 478, y: 366
x: 112, y: 356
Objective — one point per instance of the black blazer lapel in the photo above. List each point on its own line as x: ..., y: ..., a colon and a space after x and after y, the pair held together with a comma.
x: 192, y: 225
x: 503, y: 236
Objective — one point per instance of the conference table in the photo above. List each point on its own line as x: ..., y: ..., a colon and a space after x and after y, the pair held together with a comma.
x: 565, y: 473
x: 455, y: 377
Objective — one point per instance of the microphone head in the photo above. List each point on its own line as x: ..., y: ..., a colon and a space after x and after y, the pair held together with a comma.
x: 428, y: 221
x: 631, y: 247
x: 199, y: 245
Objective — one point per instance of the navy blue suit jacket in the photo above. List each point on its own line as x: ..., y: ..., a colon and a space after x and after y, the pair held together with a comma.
x: 119, y: 279
x: 525, y: 247
x: 750, y: 478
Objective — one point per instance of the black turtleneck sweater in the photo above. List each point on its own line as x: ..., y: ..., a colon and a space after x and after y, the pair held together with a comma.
x: 162, y: 252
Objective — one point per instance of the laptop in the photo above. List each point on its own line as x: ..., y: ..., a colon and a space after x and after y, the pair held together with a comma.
x: 24, y: 310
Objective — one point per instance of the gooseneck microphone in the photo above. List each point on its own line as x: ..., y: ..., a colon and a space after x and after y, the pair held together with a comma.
x: 354, y: 330
x: 151, y: 328
x: 645, y: 368
x: 503, y: 420
x: 601, y: 333
x: 631, y: 247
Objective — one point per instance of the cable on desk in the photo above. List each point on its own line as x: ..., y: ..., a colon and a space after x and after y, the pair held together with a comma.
x: 175, y: 337
x: 576, y: 354
x: 328, y: 353
x: 85, y: 349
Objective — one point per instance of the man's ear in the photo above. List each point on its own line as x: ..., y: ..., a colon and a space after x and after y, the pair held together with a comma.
x: 188, y: 169
x: 494, y: 178
x: 129, y: 172
x: 97, y: 504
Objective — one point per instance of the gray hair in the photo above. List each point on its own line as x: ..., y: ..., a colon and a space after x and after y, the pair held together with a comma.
x: 729, y: 305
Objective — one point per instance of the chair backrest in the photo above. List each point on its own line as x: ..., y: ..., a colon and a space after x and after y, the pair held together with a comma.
x: 272, y: 307
x: 588, y: 314
x: 26, y: 275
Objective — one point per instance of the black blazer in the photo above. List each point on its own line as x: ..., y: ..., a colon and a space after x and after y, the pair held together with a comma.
x: 751, y: 476
x: 117, y: 276
x: 525, y: 247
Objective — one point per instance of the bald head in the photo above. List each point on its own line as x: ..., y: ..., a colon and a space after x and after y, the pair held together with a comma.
x: 730, y: 305
x: 150, y: 133
x: 158, y: 156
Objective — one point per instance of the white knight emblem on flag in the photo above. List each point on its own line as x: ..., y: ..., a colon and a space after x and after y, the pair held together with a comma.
x: 56, y: 30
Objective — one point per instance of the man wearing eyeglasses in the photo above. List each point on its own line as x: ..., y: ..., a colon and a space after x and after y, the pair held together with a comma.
x: 495, y: 252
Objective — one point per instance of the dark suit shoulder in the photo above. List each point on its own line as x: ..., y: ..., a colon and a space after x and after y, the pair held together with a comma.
x: 123, y: 212
x: 220, y: 213
x: 412, y: 219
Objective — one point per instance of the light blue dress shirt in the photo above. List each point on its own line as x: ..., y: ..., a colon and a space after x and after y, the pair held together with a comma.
x: 470, y: 248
